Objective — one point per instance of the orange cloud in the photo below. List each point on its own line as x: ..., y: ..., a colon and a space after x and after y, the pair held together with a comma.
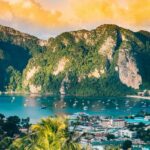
x: 32, y: 12
x: 57, y: 16
x: 133, y: 12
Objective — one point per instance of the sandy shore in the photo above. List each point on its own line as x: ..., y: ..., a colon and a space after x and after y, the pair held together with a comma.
x: 140, y: 97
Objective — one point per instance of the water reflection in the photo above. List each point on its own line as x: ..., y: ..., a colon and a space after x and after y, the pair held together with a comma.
x: 30, y: 101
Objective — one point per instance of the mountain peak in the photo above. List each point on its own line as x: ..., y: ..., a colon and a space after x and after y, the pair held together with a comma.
x: 108, y: 26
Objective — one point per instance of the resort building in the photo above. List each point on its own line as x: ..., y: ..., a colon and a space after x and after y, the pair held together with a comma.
x: 118, y: 123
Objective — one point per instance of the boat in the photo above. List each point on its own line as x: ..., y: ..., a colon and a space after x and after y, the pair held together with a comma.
x: 27, y: 100
x: 117, y: 108
x: 44, y: 107
x: 109, y: 100
x: 13, y: 99
x: 85, y: 108
x: 55, y: 105
x: 25, y: 105
x: 74, y: 104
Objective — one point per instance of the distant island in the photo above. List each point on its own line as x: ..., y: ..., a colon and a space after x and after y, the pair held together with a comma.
x: 106, y: 61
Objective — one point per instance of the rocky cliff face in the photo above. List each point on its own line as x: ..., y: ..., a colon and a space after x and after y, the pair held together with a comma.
x: 108, y: 60
x: 128, y: 70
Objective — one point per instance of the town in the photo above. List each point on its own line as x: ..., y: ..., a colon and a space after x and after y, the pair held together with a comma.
x: 91, y: 132
x: 98, y: 132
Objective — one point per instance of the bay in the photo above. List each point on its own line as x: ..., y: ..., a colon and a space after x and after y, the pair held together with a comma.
x: 37, y: 107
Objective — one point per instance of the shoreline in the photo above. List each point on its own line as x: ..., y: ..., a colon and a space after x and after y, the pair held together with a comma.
x: 50, y: 94
x: 138, y: 97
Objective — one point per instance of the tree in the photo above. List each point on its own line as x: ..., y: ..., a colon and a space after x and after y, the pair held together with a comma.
x: 127, y: 144
x: 11, y: 126
x: 110, y: 136
x: 13, y: 79
x: 49, y: 134
x: 1, y: 119
x: 14, y: 119
x: 2, y: 116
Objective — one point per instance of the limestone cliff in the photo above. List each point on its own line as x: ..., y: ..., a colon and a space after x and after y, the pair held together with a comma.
x: 128, y: 70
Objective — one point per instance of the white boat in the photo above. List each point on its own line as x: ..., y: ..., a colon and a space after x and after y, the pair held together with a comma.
x: 74, y: 104
x: 27, y: 100
x: 117, y: 108
x: 108, y: 100
x: 85, y: 108
x: 25, y: 105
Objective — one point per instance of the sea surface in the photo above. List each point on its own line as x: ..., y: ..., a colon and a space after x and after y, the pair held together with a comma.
x: 37, y: 107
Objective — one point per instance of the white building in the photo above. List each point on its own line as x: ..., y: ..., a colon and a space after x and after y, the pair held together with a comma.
x: 147, y: 117
x: 127, y: 133
x: 97, y: 147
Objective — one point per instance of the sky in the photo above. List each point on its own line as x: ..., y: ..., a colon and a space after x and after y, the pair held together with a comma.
x: 48, y: 18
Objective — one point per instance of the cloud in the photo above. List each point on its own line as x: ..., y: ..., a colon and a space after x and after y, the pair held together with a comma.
x: 126, y: 12
x: 32, y: 12
x: 56, y: 16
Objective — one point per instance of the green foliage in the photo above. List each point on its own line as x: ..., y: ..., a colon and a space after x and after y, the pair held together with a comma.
x: 49, y: 134
x: 9, y: 130
x: 127, y: 144
x: 11, y: 126
x: 112, y: 148
x: 110, y: 136
x: 5, y: 143
x: 14, y: 79
x: 16, y: 49
x: 142, y: 134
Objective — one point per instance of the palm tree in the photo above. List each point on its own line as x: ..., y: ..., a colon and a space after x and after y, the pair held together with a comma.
x: 49, y: 134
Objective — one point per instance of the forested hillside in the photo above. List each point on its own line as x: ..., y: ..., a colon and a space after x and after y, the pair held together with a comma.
x: 108, y: 60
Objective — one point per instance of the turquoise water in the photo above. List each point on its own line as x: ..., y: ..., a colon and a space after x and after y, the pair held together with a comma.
x: 38, y: 107
x: 138, y: 120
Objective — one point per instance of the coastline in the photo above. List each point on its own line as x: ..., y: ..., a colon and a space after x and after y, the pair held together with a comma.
x: 23, y: 93
x: 139, y: 97
x: 50, y: 94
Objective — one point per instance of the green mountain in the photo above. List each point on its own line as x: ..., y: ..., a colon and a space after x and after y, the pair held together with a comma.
x: 16, y: 49
x: 108, y: 60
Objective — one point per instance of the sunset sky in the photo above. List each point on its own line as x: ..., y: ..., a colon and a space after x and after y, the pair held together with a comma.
x: 46, y: 18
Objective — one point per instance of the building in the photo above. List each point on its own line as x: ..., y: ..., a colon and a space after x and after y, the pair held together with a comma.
x: 106, y: 123
x: 144, y: 93
x: 147, y: 117
x: 118, y: 123
x: 127, y: 133
x: 98, y: 147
